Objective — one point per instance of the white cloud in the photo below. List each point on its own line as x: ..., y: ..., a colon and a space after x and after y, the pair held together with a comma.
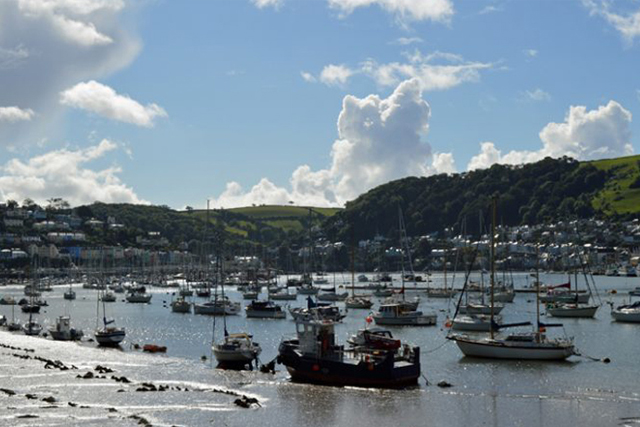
x: 103, y: 100
x: 378, y: 140
x: 405, y: 10
x: 15, y: 114
x: 79, y: 29
x: 308, y: 77
x: 530, y: 53
x: 11, y: 58
x: 62, y: 173
x: 335, y: 75
x: 584, y: 135
x: 490, y: 9
x: 261, y: 4
x: 405, y: 41
x: 49, y: 46
x: 537, y: 95
x: 436, y: 71
x: 628, y: 24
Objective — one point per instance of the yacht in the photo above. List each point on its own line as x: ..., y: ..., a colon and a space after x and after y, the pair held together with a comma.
x: 265, y: 310
x: 398, y: 315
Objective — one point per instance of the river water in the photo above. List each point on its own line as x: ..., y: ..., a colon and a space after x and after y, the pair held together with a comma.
x: 580, y: 391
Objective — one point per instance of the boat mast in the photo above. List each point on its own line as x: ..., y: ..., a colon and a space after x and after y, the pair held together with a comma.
x: 537, y: 293
x: 493, y: 250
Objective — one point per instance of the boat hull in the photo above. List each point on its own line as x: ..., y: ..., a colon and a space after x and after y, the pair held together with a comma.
x: 109, y: 338
x: 628, y: 317
x: 266, y: 314
x: 520, y: 351
x: 588, y: 311
x: 423, y: 320
x: 385, y: 373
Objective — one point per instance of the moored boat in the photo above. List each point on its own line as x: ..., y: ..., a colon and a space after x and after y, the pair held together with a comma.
x: 314, y: 357
x: 265, y: 310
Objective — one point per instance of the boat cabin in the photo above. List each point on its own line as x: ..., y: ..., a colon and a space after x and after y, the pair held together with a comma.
x: 316, y: 337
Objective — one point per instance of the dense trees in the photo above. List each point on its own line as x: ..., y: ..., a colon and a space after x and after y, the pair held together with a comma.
x: 551, y: 189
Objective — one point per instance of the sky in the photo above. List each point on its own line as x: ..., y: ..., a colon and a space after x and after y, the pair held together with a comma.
x: 308, y: 102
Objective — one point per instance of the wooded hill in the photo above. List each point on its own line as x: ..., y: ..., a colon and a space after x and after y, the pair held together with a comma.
x: 546, y: 191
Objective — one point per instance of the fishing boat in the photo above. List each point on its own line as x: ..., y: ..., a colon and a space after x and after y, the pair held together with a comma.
x: 315, y: 357
x: 399, y: 315
x: 374, y: 338
x: 265, y: 310
x: 523, y: 346
x: 63, y: 331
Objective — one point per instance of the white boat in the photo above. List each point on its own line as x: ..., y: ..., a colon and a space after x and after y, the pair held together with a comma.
x: 217, y: 307
x: 63, y: 331
x: 528, y: 346
x: 236, y: 349
x: 70, y: 294
x: 627, y: 313
x: 525, y: 346
x: 265, y: 310
x: 635, y: 292
x: 395, y: 314
x: 504, y: 295
x: 250, y: 294
x: 363, y: 278
x: 572, y: 310
x: 479, y: 308
x: 180, y: 305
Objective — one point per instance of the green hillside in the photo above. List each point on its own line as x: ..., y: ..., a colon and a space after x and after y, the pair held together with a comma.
x: 621, y: 192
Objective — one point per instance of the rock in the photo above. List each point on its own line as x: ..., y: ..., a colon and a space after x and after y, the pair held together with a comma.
x: 73, y: 405
x: 30, y: 396
x: 7, y: 391
x: 49, y: 399
x: 444, y: 384
x: 87, y: 376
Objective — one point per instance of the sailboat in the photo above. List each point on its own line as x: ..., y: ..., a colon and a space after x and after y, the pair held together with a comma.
x: 70, y: 294
x: 32, y: 327
x: 235, y: 350
x: 574, y: 308
x: 443, y: 292
x: 524, y: 346
x: 106, y: 336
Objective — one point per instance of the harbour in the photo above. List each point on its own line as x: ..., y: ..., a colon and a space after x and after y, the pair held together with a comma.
x: 580, y: 390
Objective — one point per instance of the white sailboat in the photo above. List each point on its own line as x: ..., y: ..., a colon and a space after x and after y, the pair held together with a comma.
x: 523, y: 346
x: 574, y: 308
x: 105, y: 335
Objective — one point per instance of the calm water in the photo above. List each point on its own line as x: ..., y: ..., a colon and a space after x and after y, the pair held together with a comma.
x: 495, y: 393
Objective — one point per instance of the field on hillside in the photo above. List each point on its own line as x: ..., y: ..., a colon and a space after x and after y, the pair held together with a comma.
x: 617, y: 197
x: 241, y: 221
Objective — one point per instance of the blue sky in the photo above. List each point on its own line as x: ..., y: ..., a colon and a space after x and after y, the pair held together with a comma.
x: 311, y: 102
